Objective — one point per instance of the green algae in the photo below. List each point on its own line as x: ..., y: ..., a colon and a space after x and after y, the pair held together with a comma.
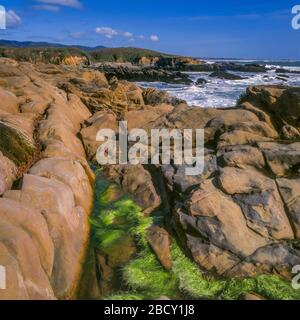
x: 114, y: 219
x: 16, y: 146
x: 145, y: 277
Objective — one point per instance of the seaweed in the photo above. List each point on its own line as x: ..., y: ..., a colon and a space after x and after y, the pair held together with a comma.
x: 146, y: 278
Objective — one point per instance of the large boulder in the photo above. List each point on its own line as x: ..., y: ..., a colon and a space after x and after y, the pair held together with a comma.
x: 282, y: 102
x: 225, y: 75
x: 100, y: 120
x: 241, y: 156
x: 259, y: 200
x: 154, y: 97
x: 177, y: 179
x: 283, y: 159
x: 9, y: 102
x: 72, y: 174
x: 56, y: 130
x: 140, y: 118
x: 137, y: 182
x: 67, y: 224
x: 160, y: 241
x: 26, y: 251
x: 214, y: 216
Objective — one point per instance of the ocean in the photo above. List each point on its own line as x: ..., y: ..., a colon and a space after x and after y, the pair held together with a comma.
x: 218, y: 93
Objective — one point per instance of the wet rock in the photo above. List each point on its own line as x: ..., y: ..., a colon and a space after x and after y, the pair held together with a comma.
x: 200, y: 82
x: 136, y: 181
x: 226, y: 76
x: 224, y: 66
x: 155, y: 97
x: 282, y: 79
x: 281, y: 70
x: 160, y: 242
x: 119, y: 253
x: 137, y: 73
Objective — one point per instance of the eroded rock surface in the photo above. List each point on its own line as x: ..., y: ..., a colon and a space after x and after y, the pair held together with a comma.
x: 232, y: 216
x: 44, y: 219
x: 238, y: 218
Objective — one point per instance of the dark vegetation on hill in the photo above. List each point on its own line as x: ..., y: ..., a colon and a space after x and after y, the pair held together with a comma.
x: 58, y: 53
x: 45, y: 55
x: 32, y: 44
x: 125, y: 54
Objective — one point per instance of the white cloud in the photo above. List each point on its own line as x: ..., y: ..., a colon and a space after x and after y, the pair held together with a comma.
x: 12, y: 19
x: 128, y: 34
x: 107, y: 32
x: 66, y: 3
x: 47, y: 7
x: 154, y: 37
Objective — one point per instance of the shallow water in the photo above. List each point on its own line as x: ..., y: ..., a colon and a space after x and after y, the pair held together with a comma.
x: 218, y: 93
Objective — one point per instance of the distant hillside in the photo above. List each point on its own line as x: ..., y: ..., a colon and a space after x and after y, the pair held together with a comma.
x: 31, y: 44
x: 46, y: 55
x: 59, y: 53
x: 125, y: 54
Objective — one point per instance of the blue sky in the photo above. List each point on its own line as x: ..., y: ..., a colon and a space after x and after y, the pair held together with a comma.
x: 232, y: 28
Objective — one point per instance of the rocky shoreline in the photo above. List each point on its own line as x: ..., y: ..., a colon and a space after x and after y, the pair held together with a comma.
x: 239, y: 219
x: 165, y: 70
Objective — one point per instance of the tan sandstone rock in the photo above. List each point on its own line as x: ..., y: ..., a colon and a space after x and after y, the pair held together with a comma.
x: 68, y: 227
x: 260, y: 201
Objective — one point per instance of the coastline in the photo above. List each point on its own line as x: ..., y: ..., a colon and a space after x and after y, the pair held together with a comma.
x: 235, y: 220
